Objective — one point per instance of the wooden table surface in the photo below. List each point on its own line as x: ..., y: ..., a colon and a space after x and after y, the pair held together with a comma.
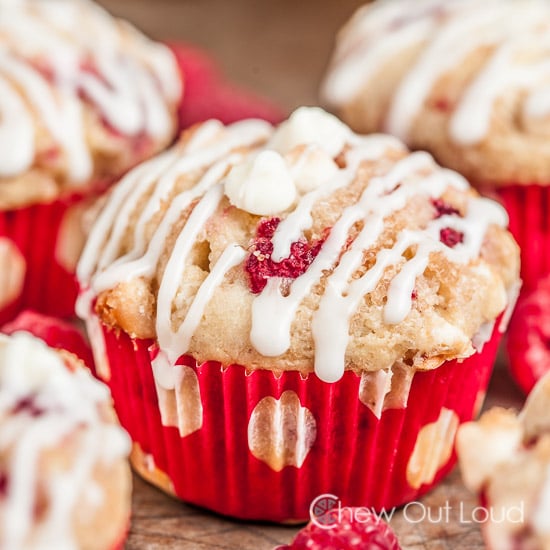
x: 279, y: 49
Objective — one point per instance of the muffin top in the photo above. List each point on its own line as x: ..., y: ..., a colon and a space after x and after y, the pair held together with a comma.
x: 62, y: 454
x: 305, y: 247
x: 83, y: 97
x: 507, y: 458
x: 468, y: 81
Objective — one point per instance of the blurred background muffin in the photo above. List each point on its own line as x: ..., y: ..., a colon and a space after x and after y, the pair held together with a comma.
x: 64, y: 476
x: 467, y: 81
x: 83, y: 98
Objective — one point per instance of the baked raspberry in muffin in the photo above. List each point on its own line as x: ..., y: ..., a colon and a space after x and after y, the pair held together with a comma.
x: 467, y: 81
x: 64, y: 477
x: 506, y: 459
x: 283, y: 301
x: 83, y: 97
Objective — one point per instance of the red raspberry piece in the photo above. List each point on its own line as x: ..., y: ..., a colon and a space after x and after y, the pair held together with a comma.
x: 207, y: 94
x: 56, y: 333
x: 528, y: 341
x: 3, y: 484
x: 442, y: 104
x: 259, y: 265
x: 451, y: 237
x: 444, y: 209
x: 28, y: 405
x: 356, y: 528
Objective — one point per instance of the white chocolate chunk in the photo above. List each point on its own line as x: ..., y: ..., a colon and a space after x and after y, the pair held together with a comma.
x: 261, y: 186
x: 311, y: 125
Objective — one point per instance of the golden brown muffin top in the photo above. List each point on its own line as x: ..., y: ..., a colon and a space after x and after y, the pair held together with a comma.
x: 468, y: 81
x: 507, y: 458
x: 305, y: 247
x: 64, y: 477
x: 83, y: 97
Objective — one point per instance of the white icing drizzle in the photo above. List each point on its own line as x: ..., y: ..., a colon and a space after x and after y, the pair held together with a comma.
x: 68, y: 401
x: 175, y: 267
x: 446, y: 33
x: 105, y: 264
x: 56, y: 50
x: 210, y: 148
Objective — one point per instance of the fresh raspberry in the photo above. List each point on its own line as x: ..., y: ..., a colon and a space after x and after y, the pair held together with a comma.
x: 528, y: 341
x: 56, y: 333
x: 444, y: 209
x: 357, y: 528
x: 259, y: 265
x: 207, y: 94
x: 451, y: 237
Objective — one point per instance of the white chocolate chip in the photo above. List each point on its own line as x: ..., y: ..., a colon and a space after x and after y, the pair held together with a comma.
x: 261, y: 186
x: 311, y: 125
x: 312, y: 168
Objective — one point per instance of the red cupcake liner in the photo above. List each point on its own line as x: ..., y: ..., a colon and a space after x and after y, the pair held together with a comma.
x: 31, y: 235
x: 56, y: 333
x: 356, y: 456
x: 528, y: 207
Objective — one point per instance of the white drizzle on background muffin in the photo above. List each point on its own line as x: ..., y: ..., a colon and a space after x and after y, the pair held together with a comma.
x: 43, y: 404
x: 447, y: 32
x: 218, y: 151
x: 55, y: 53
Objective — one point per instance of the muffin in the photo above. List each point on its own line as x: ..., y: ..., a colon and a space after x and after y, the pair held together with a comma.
x: 506, y: 459
x: 84, y: 97
x: 271, y: 307
x: 468, y: 82
x: 64, y: 477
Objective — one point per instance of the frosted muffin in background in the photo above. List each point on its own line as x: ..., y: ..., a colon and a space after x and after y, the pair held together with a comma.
x: 467, y: 81
x: 64, y: 477
x: 505, y: 459
x: 83, y: 98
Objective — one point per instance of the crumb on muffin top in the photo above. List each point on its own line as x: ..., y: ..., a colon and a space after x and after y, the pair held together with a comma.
x: 305, y: 247
x: 83, y: 97
x: 468, y: 81
x: 62, y: 453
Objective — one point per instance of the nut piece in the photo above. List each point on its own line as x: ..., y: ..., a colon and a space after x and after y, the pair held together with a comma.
x: 281, y: 432
x: 12, y: 272
x: 433, y: 449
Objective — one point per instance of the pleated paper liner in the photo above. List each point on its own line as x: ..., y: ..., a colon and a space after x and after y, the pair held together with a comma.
x: 259, y: 447
x: 528, y: 207
x: 39, y: 248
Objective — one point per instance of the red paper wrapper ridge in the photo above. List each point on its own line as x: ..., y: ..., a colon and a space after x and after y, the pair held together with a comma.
x: 244, y: 468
